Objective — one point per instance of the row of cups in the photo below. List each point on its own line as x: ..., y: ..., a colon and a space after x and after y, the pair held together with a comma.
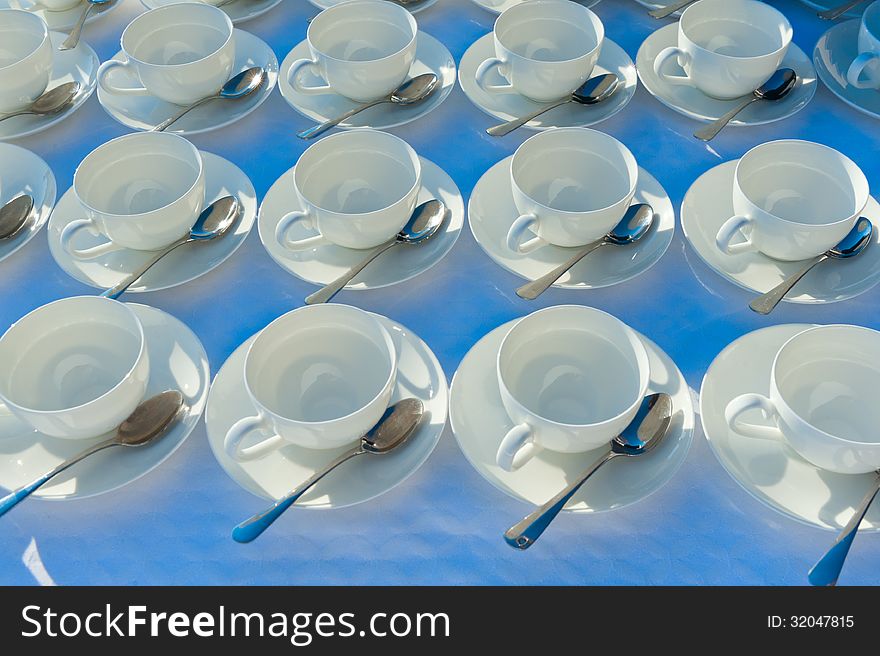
x: 570, y: 379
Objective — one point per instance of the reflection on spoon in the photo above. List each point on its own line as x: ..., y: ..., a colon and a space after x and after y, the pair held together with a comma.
x: 15, y: 215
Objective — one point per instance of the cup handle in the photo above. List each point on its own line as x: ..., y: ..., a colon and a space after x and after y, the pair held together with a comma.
x: 106, y: 67
x: 728, y: 231
x: 518, y: 230
x: 484, y: 69
x: 241, y: 429
x: 665, y: 55
x: 287, y: 222
x: 746, y: 402
x: 85, y: 253
x: 854, y: 74
x: 293, y: 78
x: 516, y: 448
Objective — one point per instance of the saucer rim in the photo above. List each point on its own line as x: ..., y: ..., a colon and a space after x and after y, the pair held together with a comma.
x: 824, y: 74
x: 148, y: 4
x: 586, y: 3
x: 51, y: 197
x: 421, y: 7
x: 74, y: 12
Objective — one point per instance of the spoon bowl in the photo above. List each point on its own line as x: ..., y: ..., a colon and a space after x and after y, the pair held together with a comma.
x: 855, y: 242
x: 15, y: 215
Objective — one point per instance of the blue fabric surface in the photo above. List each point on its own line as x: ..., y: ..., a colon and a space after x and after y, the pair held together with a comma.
x: 444, y: 524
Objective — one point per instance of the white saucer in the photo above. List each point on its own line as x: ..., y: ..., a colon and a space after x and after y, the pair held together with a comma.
x: 177, y: 361
x: 650, y: 4
x: 491, y: 212
x: 77, y: 65
x: 771, y: 471
x: 708, y: 204
x: 693, y: 103
x: 188, y: 262
x: 146, y: 112
x: 61, y: 21
x: 479, y: 422
x: 359, y: 480
x: 238, y: 12
x: 324, y: 4
x: 497, y: 6
x: 834, y: 54
x: 23, y: 172
x: 822, y: 5
x: 324, y: 264
x: 508, y: 106
x: 431, y: 57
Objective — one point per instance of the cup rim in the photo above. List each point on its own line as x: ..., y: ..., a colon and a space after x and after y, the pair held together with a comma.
x: 133, y: 135
x: 873, y: 8
x: 389, y: 342
x: 229, y: 25
x: 830, y: 436
x: 341, y: 6
x: 417, y: 183
x: 594, y: 18
x: 863, y: 180
x: 36, y: 50
x: 627, y: 156
x: 137, y: 360
x: 785, y: 22
x: 641, y: 354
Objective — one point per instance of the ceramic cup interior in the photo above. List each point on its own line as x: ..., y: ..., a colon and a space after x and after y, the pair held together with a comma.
x: 138, y: 173
x: 319, y: 364
x: 736, y: 28
x: 829, y: 377
x: 573, y: 366
x: 21, y: 35
x: 575, y: 170
x: 362, y: 31
x: 68, y: 353
x: 802, y: 182
x: 549, y: 31
x: 357, y: 172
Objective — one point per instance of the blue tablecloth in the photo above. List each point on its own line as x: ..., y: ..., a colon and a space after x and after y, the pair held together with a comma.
x: 443, y: 526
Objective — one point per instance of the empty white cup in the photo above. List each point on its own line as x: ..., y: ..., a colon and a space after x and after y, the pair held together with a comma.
x: 823, y: 399
x: 571, y: 379
x: 75, y: 368
x: 362, y: 50
x: 320, y: 377
x: 178, y: 53
x: 141, y: 191
x: 545, y: 49
x: 864, y: 72
x: 571, y: 187
x: 25, y: 59
x: 357, y: 189
x: 727, y: 48
x: 793, y: 200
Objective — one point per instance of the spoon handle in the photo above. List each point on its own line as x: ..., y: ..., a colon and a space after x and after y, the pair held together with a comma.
x: 173, y: 119
x: 836, y: 12
x: 252, y: 528
x: 710, y: 131
x: 18, y: 113
x: 330, y: 290
x: 663, y: 12
x: 119, y: 289
x: 12, y: 499
x: 532, y: 290
x: 320, y: 129
x: 506, y: 128
x: 765, y: 303
x: 827, y: 570
x: 524, y: 534
x: 72, y: 39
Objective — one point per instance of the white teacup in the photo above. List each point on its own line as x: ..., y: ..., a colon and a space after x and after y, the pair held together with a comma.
x: 571, y: 379
x: 320, y: 377
x: 571, y: 187
x: 545, y: 49
x: 363, y: 50
x: 179, y: 53
x: 25, y: 59
x: 357, y: 189
x: 727, y: 48
x: 823, y: 399
x: 793, y: 200
x: 141, y: 191
x: 75, y: 368
x: 864, y: 72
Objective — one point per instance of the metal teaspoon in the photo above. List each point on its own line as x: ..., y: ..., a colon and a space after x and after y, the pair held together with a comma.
x: 840, y: 10
x: 72, y: 39
x: 15, y: 215
x: 51, y: 102
x: 394, y: 428
x: 668, y: 10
